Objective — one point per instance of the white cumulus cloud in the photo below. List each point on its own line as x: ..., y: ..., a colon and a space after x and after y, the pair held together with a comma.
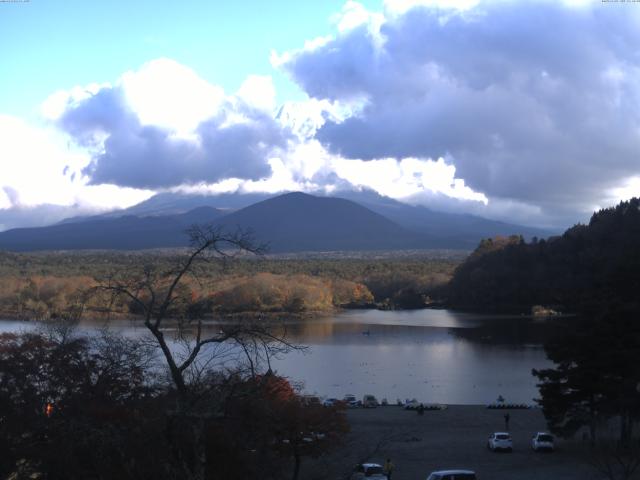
x: 170, y: 95
x: 533, y: 103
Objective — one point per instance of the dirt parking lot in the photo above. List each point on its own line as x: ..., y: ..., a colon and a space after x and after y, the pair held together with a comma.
x: 451, y: 438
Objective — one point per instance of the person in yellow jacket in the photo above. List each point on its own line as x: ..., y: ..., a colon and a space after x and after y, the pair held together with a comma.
x: 388, y: 468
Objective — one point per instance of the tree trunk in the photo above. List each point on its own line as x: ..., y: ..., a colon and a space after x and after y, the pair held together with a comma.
x: 593, y: 424
x: 199, y: 449
x: 296, y: 465
x: 187, y: 439
x: 176, y: 374
x: 625, y: 428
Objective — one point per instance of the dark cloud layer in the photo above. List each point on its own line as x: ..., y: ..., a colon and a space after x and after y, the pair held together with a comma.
x: 535, y: 102
x: 146, y: 156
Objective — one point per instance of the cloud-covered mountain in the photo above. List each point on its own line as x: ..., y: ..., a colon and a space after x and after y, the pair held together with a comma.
x: 443, y: 228
x: 525, y: 112
x: 288, y: 223
x: 167, y: 203
x: 534, y: 103
x: 121, y: 233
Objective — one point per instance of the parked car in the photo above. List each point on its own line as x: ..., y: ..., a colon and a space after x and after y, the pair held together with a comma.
x: 310, y: 400
x: 412, y: 404
x: 452, y: 475
x: 330, y: 402
x: 500, y: 441
x: 313, y: 437
x: 369, y: 470
x: 351, y: 400
x: 369, y: 401
x: 542, y: 441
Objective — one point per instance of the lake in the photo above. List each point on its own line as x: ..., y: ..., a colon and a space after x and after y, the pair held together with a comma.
x: 435, y: 356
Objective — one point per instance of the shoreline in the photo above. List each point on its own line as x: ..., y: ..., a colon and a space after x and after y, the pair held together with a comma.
x: 301, y: 316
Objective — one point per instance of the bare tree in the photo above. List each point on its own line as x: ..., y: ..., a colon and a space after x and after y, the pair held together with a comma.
x: 163, y: 300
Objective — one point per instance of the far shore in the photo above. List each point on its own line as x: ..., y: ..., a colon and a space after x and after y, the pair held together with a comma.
x: 290, y: 316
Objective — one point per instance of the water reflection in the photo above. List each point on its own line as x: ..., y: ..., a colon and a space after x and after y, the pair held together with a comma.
x: 432, y: 355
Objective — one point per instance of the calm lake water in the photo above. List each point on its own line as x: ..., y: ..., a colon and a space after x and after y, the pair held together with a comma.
x: 432, y: 355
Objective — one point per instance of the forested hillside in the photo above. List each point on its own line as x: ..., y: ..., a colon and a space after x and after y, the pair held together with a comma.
x: 46, y: 285
x: 588, y: 265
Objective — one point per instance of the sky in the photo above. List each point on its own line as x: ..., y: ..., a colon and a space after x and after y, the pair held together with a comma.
x: 524, y: 111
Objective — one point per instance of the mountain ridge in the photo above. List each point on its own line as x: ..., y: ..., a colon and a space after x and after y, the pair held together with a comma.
x: 337, y: 224
x: 290, y: 222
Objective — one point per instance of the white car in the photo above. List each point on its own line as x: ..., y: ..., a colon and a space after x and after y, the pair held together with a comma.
x: 500, y: 441
x: 330, y: 402
x: 542, y: 441
x: 369, y: 470
x: 351, y: 400
x: 412, y: 404
x: 453, y: 475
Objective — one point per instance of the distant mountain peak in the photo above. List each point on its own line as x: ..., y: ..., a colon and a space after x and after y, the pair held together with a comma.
x: 292, y: 221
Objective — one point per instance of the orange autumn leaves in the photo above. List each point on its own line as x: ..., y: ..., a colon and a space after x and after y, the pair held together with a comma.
x: 44, y: 297
x: 269, y: 292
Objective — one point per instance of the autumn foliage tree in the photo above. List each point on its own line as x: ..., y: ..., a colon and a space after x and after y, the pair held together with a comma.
x: 268, y: 428
x: 267, y: 292
x: 69, y: 406
x: 75, y: 407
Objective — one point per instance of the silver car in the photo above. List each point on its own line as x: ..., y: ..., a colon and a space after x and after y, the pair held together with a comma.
x: 542, y: 442
x: 369, y: 471
x: 453, y: 475
x: 500, y: 441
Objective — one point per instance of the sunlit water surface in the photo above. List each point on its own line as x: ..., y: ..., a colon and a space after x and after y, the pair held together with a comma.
x: 435, y: 356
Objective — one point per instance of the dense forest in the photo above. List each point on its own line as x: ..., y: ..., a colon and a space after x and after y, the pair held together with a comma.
x: 589, y: 265
x: 46, y: 285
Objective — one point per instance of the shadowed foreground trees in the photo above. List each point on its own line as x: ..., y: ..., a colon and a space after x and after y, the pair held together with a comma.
x: 596, y: 383
x: 615, y: 461
x: 78, y: 407
x: 267, y: 430
x: 94, y: 408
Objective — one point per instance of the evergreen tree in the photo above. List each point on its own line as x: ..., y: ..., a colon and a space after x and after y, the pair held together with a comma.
x: 596, y: 375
